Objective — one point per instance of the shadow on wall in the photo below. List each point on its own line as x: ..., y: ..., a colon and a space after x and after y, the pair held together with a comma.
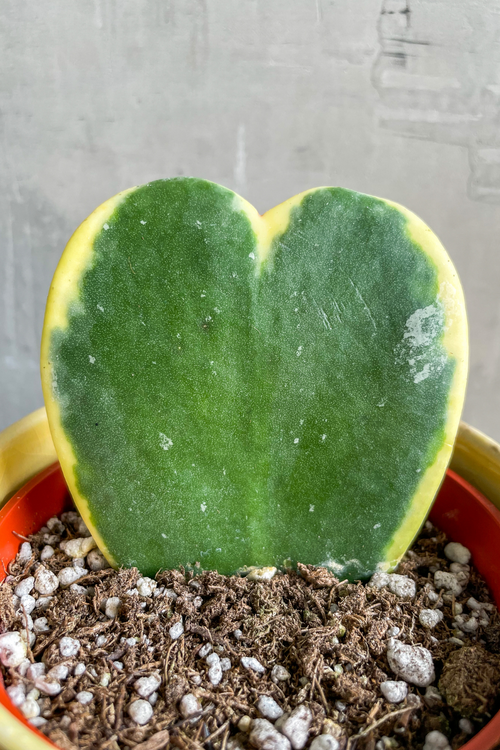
x: 438, y: 77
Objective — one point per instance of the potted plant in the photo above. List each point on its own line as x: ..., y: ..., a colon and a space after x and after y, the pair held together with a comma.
x: 230, y: 388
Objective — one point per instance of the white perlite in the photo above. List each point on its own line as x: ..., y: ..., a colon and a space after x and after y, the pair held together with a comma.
x: 394, y: 691
x: 35, y: 670
x: 279, y: 673
x: 265, y: 737
x: 146, y: 686
x: 466, y: 726
x: 413, y: 663
x: 205, y: 650
x: 77, y: 588
x: 55, y: 525
x: 429, y: 618
x: 78, y: 547
x: 67, y: 576
x: 262, y: 574
x: 140, y: 711
x: 112, y: 607
x: 215, y: 671
x: 436, y: 741
x: 250, y: 662
x: 13, y: 649
x: 268, y: 707
x: 461, y: 572
x: 456, y: 552
x: 26, y: 620
x: 24, y: 587
x: 69, y: 646
x: 58, y: 672
x: 30, y: 708
x: 225, y: 663
x: 48, y: 686
x: 25, y: 553
x: 25, y: 634
x: 478, y: 606
x: 47, y: 552
x: 79, y: 669
x: 23, y: 667
x: 146, y: 586
x: 17, y: 693
x: 27, y: 603
x: 82, y: 528
x: 466, y: 624
x: 296, y: 727
x: 37, y: 721
x: 84, y: 697
x: 41, y: 625
x: 96, y: 560
x: 447, y: 581
x: 401, y: 586
x: 189, y: 706
x: 176, y: 630
x: 325, y: 742
x: 46, y: 582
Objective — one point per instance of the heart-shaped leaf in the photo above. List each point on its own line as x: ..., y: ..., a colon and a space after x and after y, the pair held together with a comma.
x: 231, y: 389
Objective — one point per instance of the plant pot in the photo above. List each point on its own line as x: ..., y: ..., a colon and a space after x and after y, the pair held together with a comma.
x: 460, y: 510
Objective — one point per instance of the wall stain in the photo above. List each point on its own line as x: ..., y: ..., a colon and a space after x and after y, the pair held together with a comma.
x: 438, y: 77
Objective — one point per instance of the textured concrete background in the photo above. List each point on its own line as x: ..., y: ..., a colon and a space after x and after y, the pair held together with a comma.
x: 399, y: 98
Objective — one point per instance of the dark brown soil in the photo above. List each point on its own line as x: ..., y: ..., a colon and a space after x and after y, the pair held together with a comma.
x: 331, y: 636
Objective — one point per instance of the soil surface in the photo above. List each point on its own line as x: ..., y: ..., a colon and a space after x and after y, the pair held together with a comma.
x: 222, y: 652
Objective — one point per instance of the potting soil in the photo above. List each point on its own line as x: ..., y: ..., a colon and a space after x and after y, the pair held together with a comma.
x: 229, y: 663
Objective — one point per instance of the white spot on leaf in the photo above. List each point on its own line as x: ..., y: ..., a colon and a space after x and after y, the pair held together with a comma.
x: 420, y: 346
x: 165, y: 442
x: 91, y: 359
x: 203, y: 507
x: 423, y: 374
x: 424, y: 325
x: 105, y: 226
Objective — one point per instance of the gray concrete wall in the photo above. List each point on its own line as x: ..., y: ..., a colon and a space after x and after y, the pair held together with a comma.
x: 399, y: 98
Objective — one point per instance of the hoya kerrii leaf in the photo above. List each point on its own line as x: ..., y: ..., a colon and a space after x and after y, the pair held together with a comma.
x: 234, y: 389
